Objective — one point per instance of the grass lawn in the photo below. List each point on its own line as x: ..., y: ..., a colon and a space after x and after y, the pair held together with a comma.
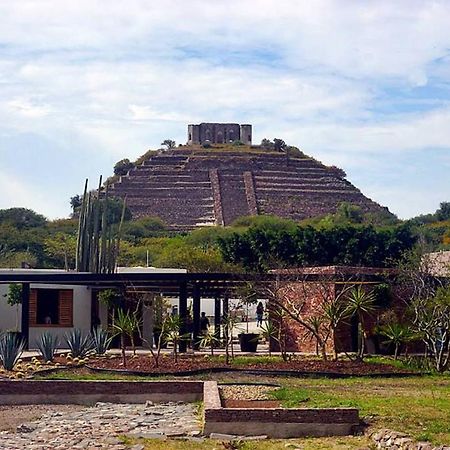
x: 419, y: 407
x: 337, y: 443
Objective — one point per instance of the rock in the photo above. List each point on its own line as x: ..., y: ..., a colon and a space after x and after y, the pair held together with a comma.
x: 252, y: 438
x: 25, y: 428
x: 223, y: 437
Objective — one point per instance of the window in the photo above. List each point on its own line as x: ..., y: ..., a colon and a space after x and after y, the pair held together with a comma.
x: 47, y: 307
x: 51, y: 308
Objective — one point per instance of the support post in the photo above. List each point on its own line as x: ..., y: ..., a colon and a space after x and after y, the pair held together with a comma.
x: 226, y: 331
x: 226, y: 307
x: 217, y: 317
x: 196, y: 319
x: 25, y: 322
x: 182, y: 310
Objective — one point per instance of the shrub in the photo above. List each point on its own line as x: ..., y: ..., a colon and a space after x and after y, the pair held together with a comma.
x: 101, y: 340
x: 11, y: 348
x: 47, y: 344
x: 80, y: 345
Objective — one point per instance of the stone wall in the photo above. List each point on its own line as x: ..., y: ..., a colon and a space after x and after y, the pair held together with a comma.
x: 177, y: 186
x: 26, y: 392
x: 275, y: 422
x: 219, y: 133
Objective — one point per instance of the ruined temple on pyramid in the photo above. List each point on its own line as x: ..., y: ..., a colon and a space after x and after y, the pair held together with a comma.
x: 218, y: 176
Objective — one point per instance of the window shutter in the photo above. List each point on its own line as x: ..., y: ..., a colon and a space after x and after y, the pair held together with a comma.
x: 66, y: 308
x: 32, y: 314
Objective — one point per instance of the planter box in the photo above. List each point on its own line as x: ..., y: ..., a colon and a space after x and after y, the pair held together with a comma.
x: 249, y: 342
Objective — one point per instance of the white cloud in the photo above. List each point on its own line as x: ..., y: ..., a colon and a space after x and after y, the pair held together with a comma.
x: 18, y: 193
x: 27, y: 108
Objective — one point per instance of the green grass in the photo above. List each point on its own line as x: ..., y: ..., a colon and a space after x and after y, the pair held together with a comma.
x: 337, y: 443
x: 419, y: 407
x: 247, y: 360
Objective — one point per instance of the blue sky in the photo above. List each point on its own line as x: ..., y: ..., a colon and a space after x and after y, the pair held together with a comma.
x: 361, y: 85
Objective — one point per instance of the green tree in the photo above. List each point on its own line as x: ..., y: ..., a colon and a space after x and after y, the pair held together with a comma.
x: 168, y: 143
x: 14, y: 298
x: 62, y: 248
x: 22, y: 218
x: 122, y: 167
x: 279, y: 145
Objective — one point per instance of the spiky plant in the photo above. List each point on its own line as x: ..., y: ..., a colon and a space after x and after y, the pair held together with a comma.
x: 80, y: 344
x: 47, y: 344
x: 11, y: 348
x: 124, y: 325
x: 209, y: 339
x: 361, y: 303
x: 102, y: 341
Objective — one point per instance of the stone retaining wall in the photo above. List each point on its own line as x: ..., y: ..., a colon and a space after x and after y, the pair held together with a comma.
x: 275, y: 422
x: 26, y: 392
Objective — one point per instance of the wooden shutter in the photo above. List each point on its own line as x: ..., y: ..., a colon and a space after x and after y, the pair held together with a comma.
x: 32, y: 315
x: 66, y: 308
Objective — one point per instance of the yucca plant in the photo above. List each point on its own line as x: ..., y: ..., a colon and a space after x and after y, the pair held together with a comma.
x: 11, y: 348
x: 361, y: 303
x: 80, y: 344
x: 47, y: 344
x: 396, y: 334
x: 209, y: 339
x: 124, y: 325
x: 102, y: 341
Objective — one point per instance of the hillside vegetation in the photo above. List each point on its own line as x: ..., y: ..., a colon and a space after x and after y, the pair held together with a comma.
x: 251, y: 243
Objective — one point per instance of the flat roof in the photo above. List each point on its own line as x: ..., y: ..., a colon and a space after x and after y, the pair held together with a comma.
x: 166, y: 282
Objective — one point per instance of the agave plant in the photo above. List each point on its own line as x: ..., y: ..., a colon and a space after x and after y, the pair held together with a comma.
x: 11, y: 348
x: 47, y: 345
x: 80, y: 344
x: 101, y: 340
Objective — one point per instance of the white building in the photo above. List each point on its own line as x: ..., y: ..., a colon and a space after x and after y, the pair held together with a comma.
x: 59, y: 308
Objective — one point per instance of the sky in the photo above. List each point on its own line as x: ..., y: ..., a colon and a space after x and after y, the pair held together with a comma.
x: 361, y: 85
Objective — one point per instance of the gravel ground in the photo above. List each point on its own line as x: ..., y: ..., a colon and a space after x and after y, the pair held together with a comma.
x: 246, y: 392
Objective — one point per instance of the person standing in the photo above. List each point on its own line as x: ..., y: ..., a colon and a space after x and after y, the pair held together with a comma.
x: 204, y: 324
x: 259, y: 314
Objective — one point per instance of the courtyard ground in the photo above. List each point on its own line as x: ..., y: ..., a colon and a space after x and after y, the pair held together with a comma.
x: 418, y: 406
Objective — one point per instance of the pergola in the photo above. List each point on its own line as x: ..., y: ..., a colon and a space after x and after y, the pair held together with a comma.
x: 217, y: 286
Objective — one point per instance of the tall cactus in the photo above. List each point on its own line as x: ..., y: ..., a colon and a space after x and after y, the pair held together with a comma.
x: 97, y: 245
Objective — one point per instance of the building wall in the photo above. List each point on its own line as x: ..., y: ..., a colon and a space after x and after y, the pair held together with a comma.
x: 81, y: 313
x: 218, y: 133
